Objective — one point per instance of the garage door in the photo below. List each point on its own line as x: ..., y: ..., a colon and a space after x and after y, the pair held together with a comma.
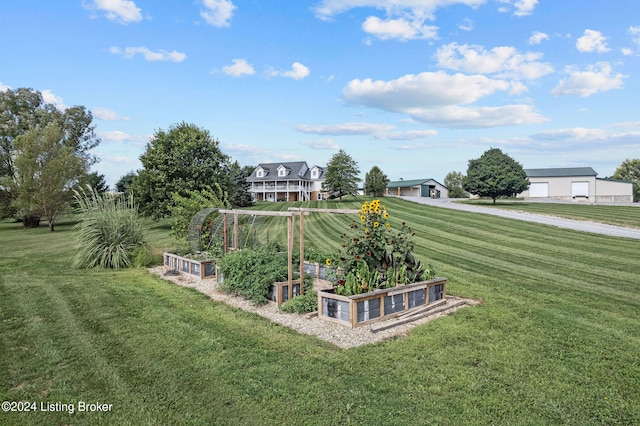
x: 539, y: 189
x: 580, y: 189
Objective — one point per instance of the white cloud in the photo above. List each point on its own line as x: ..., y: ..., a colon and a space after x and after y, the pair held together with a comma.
x: 504, y: 61
x: 592, y: 41
x: 106, y: 114
x: 596, y: 78
x: 635, y: 31
x: 537, y: 37
x: 377, y: 131
x: 436, y: 98
x: 400, y: 29
x: 572, y: 133
x: 4, y: 88
x: 115, y: 136
x: 122, y: 11
x: 351, y: 128
x: 425, y: 90
x: 240, y: 67
x: 149, y: 55
x: 50, y: 98
x: 321, y: 144
x: 297, y: 72
x: 217, y: 12
x: 478, y: 117
x: 466, y: 25
x: 405, y: 19
x: 522, y: 7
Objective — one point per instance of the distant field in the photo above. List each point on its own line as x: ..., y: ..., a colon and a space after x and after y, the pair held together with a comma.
x: 555, y: 340
x: 628, y: 216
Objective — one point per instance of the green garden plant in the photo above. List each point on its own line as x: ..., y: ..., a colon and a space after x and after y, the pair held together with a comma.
x: 109, y: 231
x: 377, y: 256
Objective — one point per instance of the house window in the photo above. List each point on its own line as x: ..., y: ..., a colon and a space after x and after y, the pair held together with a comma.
x: 282, y: 172
x: 260, y: 173
x: 314, y: 173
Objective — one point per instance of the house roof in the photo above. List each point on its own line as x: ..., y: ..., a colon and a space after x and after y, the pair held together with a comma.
x: 297, y: 170
x: 407, y: 183
x: 561, y: 172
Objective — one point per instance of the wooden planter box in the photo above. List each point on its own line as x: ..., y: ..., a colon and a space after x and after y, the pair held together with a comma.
x: 318, y: 271
x: 199, y: 268
x: 377, y: 305
x: 281, y: 291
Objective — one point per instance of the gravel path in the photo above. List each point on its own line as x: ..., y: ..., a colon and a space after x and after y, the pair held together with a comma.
x: 341, y: 336
x: 577, y: 225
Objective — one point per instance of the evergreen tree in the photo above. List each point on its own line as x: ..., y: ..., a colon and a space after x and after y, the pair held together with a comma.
x: 341, y: 175
x: 375, y: 182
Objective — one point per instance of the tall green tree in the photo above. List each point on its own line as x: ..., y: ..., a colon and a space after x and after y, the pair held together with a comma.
x: 494, y: 175
x: 238, y: 187
x: 46, y: 169
x: 96, y: 181
x: 341, y: 175
x: 453, y: 182
x: 375, y: 182
x: 24, y: 109
x: 184, y: 158
x: 124, y: 183
x: 630, y: 170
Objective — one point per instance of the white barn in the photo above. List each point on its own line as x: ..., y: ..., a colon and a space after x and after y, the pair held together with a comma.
x: 579, y: 184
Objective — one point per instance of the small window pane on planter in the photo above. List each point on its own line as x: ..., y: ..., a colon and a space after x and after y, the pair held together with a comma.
x: 272, y: 293
x: 435, y: 292
x: 324, y: 272
x: 195, y: 268
x: 368, y: 309
x: 285, y: 293
x: 393, y: 304
x: 335, y: 309
x: 310, y: 269
x: 209, y: 269
x: 296, y: 290
x: 417, y: 298
x: 167, y: 260
x: 185, y: 266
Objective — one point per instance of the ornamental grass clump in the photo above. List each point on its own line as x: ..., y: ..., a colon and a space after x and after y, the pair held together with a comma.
x: 110, y: 230
x: 375, y: 255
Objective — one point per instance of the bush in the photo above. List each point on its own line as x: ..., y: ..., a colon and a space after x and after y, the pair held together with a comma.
x: 251, y: 272
x: 109, y: 230
x: 308, y: 302
x: 146, y: 257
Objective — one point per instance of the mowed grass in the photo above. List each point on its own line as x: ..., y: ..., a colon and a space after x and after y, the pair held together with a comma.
x: 555, y: 341
x: 628, y: 216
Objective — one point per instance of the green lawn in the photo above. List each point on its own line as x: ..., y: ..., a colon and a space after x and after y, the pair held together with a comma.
x: 628, y: 216
x: 555, y: 341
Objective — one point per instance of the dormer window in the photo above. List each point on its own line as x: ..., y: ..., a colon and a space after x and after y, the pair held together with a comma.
x: 260, y: 173
x: 314, y: 173
x: 282, y: 171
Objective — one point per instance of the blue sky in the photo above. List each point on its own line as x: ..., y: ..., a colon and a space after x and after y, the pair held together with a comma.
x: 417, y: 87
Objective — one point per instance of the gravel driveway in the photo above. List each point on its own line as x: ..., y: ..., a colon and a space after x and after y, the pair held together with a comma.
x: 577, y: 225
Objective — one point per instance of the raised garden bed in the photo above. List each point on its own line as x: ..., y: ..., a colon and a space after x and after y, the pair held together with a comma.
x: 280, y: 292
x: 199, y: 268
x: 318, y: 271
x: 362, y: 309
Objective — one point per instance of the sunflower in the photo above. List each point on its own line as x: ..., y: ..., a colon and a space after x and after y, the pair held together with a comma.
x: 328, y: 262
x: 376, y: 224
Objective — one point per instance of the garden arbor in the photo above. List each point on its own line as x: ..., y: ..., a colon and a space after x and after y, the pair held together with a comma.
x: 226, y: 228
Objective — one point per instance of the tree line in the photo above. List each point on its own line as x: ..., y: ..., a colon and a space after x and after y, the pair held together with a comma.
x: 46, y: 152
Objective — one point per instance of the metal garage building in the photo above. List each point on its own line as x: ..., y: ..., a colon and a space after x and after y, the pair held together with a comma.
x: 579, y: 184
x: 417, y: 188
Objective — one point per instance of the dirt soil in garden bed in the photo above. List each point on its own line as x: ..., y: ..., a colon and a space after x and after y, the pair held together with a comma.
x: 340, y: 335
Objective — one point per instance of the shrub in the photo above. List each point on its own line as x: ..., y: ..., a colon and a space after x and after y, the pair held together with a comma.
x: 251, y: 272
x: 109, y: 230
x: 307, y: 302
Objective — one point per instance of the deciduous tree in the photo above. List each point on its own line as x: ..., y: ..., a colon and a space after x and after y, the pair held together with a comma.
x: 341, y: 175
x: 453, y: 182
x: 23, y: 110
x: 375, y: 182
x: 630, y: 170
x: 46, y: 168
x: 184, y: 158
x: 494, y: 175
